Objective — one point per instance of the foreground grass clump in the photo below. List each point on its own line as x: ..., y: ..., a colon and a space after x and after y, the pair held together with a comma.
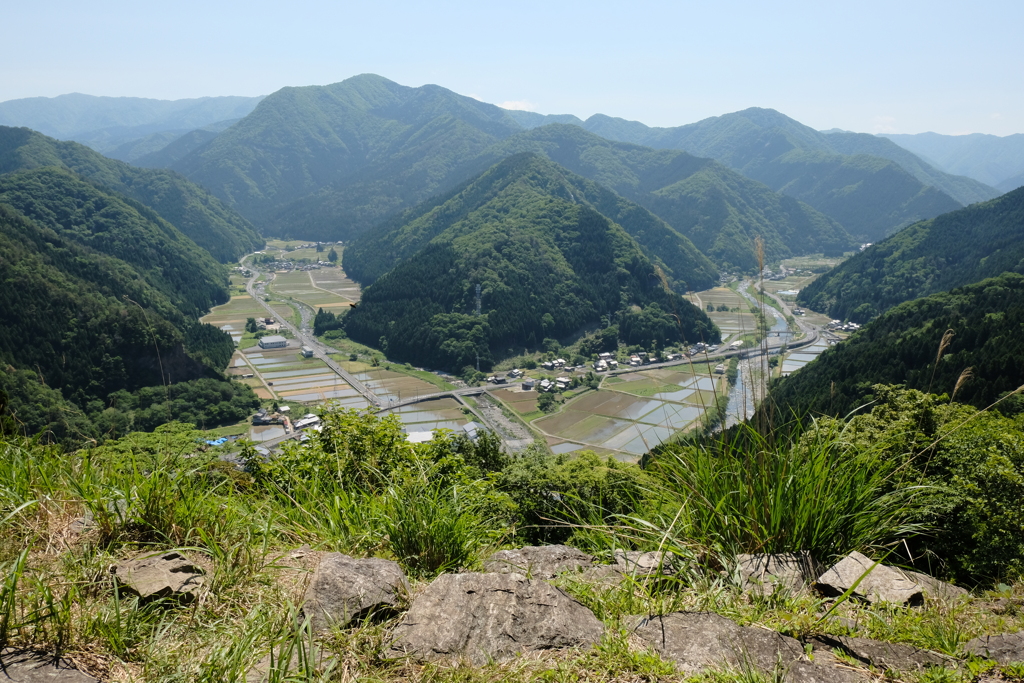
x: 360, y: 488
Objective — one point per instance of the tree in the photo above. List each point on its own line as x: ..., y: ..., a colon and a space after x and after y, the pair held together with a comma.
x: 250, y: 325
x: 546, y: 402
x: 332, y: 256
x: 319, y: 247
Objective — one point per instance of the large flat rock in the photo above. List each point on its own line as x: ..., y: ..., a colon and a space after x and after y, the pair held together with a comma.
x: 767, y: 573
x: 485, y: 617
x: 538, y: 562
x: 346, y: 589
x: 1004, y: 648
x: 25, y: 666
x: 882, y: 655
x: 880, y: 583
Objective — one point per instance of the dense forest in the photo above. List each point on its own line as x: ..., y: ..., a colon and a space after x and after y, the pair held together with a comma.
x: 870, y: 186
x: 936, y: 255
x: 83, y: 325
x: 380, y: 249
x: 547, y: 266
x: 979, y: 327
x: 188, y: 207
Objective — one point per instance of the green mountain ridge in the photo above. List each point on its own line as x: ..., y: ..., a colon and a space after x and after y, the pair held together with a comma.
x: 190, y: 208
x: 719, y: 210
x: 899, y: 347
x: 951, y: 250
x: 548, y: 264
x: 869, y: 195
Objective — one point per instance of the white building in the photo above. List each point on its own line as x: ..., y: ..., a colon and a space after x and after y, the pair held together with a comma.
x: 273, y: 342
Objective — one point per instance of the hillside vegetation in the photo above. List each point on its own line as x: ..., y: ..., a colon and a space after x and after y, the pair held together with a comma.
x: 190, y: 208
x: 936, y: 255
x: 548, y: 264
x: 855, y: 180
x: 979, y: 327
x: 990, y: 159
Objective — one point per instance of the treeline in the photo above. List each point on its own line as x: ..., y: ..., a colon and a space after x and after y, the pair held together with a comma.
x: 951, y: 250
x: 979, y: 329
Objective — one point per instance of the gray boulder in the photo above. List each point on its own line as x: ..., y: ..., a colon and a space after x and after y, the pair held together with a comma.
x: 824, y: 672
x: 764, y: 573
x: 1004, y: 648
x: 880, y: 584
x: 25, y: 666
x: 346, y: 589
x: 167, y: 575
x: 485, y: 617
x: 882, y: 655
x: 934, y: 588
x: 538, y: 562
x: 698, y: 641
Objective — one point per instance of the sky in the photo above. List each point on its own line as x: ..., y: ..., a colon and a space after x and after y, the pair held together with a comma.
x: 867, y: 66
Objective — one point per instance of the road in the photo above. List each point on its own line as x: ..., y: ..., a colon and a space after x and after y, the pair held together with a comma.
x: 304, y: 336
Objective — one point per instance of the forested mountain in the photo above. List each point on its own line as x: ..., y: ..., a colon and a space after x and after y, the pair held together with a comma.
x: 84, y: 330
x: 381, y: 249
x: 155, y: 146
x: 900, y: 347
x: 718, y: 209
x: 104, y: 123
x: 1012, y: 183
x: 547, y: 263
x: 990, y: 159
x: 389, y: 145
x: 948, y: 251
x: 190, y: 208
x: 870, y: 196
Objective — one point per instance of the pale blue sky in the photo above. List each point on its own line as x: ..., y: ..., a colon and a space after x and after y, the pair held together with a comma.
x: 905, y: 67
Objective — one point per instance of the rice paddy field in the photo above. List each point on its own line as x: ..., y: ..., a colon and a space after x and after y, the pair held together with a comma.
x: 629, y: 415
x: 317, y: 288
x: 441, y: 413
x: 731, y: 322
x: 801, y: 357
x: 231, y: 316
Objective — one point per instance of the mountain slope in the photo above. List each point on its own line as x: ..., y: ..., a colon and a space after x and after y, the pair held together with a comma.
x: 988, y: 158
x: 899, y: 347
x: 171, y: 263
x: 719, y: 210
x: 547, y: 263
x: 870, y: 196
x: 948, y: 251
x: 153, y: 146
x: 381, y: 249
x: 190, y: 208
x: 300, y: 140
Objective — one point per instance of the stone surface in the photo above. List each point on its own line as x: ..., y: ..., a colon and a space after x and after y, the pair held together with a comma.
x: 21, y: 666
x: 169, y: 574
x: 697, y: 641
x: 603, y: 575
x: 817, y: 672
x: 882, y: 655
x: 763, y: 573
x: 484, y: 617
x: 882, y: 583
x: 538, y: 562
x: 1004, y: 648
x: 640, y: 563
x: 934, y: 588
x: 344, y: 589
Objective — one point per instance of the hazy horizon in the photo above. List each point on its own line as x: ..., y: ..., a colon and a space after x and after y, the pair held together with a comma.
x: 875, y: 67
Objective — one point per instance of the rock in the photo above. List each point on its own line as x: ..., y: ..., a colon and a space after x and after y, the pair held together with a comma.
x: 638, y: 563
x: 697, y: 641
x: 538, y: 562
x: 24, y: 666
x: 607, y: 575
x: 346, y: 589
x: 166, y: 575
x: 935, y: 588
x: 815, y: 672
x: 484, y: 617
x: 764, y: 574
x: 1004, y: 648
x: 882, y: 655
x: 882, y: 583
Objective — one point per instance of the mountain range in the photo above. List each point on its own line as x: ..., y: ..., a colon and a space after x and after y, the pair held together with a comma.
x: 997, y: 161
